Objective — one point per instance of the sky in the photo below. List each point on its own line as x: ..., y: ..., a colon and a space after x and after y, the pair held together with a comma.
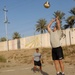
x: 24, y: 14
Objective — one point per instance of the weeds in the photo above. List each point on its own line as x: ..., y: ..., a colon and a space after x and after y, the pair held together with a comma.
x: 2, y: 58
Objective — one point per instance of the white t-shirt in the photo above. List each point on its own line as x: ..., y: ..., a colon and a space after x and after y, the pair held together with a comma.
x: 37, y: 56
x: 55, y: 38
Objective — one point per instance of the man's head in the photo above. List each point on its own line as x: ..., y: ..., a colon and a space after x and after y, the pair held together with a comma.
x: 37, y: 50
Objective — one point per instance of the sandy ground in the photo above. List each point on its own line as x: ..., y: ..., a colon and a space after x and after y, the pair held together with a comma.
x: 19, y: 62
x: 48, y: 69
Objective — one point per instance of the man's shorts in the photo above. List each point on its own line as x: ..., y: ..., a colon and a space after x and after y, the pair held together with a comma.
x: 37, y: 63
x: 57, y: 53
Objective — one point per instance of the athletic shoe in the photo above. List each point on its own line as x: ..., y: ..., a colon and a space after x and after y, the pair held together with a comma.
x: 58, y: 74
x: 61, y: 73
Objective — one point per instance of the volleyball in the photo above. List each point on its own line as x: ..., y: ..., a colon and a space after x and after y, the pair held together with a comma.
x: 46, y: 4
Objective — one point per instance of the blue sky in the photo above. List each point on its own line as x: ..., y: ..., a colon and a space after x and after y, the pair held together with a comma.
x: 23, y: 14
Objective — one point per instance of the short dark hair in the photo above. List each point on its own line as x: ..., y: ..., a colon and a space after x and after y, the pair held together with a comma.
x: 37, y: 48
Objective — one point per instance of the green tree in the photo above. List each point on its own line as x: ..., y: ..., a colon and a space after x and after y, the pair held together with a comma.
x: 71, y: 19
x: 60, y: 16
x: 72, y: 11
x: 2, y: 39
x: 41, y: 25
x: 16, y: 35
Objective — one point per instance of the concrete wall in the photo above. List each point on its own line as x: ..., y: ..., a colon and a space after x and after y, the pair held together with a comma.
x: 41, y: 40
x: 3, y: 46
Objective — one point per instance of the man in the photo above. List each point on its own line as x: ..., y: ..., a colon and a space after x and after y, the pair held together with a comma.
x: 57, y: 53
x: 37, y: 59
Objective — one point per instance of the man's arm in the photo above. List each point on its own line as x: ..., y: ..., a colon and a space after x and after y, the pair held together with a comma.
x: 41, y: 59
x: 49, y: 25
x: 58, y: 23
x: 33, y: 59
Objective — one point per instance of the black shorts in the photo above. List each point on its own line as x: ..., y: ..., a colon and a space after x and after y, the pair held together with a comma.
x: 37, y: 63
x: 57, y: 53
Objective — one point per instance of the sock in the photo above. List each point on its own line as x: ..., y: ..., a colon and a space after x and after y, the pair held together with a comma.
x: 62, y: 72
x: 58, y: 72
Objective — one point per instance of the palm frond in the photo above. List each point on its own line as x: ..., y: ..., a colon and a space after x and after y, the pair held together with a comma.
x: 41, y: 25
x: 72, y: 11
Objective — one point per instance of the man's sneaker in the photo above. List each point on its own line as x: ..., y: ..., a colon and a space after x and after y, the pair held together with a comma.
x: 61, y: 73
x: 58, y: 74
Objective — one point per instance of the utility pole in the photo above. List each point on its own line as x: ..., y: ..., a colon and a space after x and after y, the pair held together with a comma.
x: 6, y: 24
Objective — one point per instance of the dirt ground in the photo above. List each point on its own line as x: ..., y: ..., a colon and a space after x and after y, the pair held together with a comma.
x: 18, y: 58
x: 27, y: 69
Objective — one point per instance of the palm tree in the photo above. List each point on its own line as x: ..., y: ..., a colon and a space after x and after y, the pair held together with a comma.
x: 60, y: 16
x: 71, y: 19
x: 72, y: 11
x: 70, y: 22
x: 41, y: 25
x: 2, y: 39
x: 16, y: 35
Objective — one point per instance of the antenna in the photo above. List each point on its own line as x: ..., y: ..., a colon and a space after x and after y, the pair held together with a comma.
x: 6, y: 24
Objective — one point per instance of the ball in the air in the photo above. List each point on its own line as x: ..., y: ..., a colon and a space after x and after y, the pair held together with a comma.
x: 46, y: 4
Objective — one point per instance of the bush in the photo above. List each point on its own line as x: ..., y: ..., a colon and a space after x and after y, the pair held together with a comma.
x: 2, y: 59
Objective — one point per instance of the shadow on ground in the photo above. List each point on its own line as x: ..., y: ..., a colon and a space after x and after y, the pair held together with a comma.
x: 37, y: 70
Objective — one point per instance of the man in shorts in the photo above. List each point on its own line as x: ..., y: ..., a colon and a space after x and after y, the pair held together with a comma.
x: 57, y: 52
x: 37, y: 59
